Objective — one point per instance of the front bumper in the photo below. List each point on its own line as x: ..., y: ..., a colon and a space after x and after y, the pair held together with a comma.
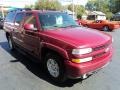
x: 116, y: 26
x: 75, y: 70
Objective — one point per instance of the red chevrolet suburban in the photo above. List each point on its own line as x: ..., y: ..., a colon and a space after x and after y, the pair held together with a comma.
x: 65, y: 49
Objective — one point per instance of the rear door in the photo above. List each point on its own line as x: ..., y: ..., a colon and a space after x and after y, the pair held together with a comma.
x: 31, y: 37
x: 17, y: 33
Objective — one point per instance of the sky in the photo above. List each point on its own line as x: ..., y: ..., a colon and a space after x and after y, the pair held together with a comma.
x: 22, y: 3
x: 81, y: 2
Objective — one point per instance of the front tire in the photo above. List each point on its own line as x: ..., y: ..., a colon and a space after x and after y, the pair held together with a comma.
x: 86, y: 26
x: 55, y: 67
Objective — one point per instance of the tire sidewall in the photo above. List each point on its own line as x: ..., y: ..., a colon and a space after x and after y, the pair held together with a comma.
x: 61, y: 78
x: 10, y: 42
x: 107, y: 28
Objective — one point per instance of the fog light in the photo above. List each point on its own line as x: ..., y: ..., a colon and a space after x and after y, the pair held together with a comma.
x: 82, y: 60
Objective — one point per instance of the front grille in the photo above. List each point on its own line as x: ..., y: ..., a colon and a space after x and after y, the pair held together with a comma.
x: 99, y: 55
x: 101, y: 47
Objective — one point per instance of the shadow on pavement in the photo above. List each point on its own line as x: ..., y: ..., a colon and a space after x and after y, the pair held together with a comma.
x: 35, y: 68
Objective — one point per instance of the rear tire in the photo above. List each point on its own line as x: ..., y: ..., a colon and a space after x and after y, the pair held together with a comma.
x: 10, y: 42
x: 55, y: 67
x: 106, y: 28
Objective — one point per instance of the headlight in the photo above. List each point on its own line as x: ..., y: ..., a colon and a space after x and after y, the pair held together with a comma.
x: 82, y: 51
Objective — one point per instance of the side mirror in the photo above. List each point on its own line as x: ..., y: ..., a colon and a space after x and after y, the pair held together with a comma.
x: 29, y: 27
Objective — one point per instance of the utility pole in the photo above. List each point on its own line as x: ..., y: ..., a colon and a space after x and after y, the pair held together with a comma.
x: 99, y: 4
x: 73, y: 8
x: 2, y: 11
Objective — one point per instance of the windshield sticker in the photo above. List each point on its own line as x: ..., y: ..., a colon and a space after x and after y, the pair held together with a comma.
x: 59, y: 20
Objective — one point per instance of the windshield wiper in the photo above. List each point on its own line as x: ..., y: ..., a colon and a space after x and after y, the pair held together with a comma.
x: 59, y: 26
x: 73, y: 26
x: 66, y: 26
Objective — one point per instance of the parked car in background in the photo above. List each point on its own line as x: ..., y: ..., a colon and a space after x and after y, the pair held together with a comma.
x: 116, y: 17
x: 65, y: 49
x: 101, y: 25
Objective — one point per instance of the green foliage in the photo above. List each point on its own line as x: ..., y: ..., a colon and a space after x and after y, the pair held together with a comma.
x: 104, y: 5
x: 109, y: 15
x: 29, y: 6
x: 114, y: 6
x: 100, y: 5
x: 78, y: 9
x: 90, y: 5
x: 79, y: 16
x: 48, y: 5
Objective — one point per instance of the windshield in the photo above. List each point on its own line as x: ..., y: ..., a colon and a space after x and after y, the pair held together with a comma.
x: 56, y: 20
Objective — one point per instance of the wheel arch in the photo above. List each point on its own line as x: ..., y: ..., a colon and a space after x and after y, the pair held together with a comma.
x: 109, y: 28
x: 55, y: 49
x: 7, y: 35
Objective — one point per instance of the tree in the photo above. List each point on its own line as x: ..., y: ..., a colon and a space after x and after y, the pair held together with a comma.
x: 48, y: 5
x: 79, y: 9
x: 114, y: 6
x: 90, y: 5
x: 29, y: 6
x: 104, y: 5
x: 98, y: 5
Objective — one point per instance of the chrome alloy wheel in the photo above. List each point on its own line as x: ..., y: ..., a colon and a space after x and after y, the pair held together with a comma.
x: 53, y: 68
x: 106, y: 28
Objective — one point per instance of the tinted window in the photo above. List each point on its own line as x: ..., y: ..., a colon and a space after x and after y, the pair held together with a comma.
x: 10, y: 17
x: 19, y: 17
x: 91, y: 17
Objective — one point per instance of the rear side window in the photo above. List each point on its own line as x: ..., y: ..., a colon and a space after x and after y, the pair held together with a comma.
x: 10, y: 17
x: 19, y: 17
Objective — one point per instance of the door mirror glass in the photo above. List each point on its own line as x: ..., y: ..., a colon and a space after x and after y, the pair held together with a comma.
x: 30, y: 27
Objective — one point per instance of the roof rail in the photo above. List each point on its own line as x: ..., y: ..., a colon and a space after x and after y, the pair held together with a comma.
x: 20, y: 9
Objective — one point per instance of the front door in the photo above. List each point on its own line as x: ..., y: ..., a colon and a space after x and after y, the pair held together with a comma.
x: 96, y: 24
x: 31, y: 37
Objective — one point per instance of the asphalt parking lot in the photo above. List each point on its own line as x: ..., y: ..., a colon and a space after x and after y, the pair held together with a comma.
x: 18, y: 72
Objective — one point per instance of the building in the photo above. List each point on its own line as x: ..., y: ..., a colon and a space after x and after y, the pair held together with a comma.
x: 96, y: 15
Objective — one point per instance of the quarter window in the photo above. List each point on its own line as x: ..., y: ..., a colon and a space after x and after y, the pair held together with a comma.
x: 10, y: 17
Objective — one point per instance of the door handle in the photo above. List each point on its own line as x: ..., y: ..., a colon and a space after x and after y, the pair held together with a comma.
x: 22, y: 32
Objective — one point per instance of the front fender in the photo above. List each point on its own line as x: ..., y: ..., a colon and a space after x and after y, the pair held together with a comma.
x: 57, y: 49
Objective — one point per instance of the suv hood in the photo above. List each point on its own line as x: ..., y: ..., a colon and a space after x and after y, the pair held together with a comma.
x: 79, y: 37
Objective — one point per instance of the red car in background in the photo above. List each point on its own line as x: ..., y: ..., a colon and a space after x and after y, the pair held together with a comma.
x: 104, y: 25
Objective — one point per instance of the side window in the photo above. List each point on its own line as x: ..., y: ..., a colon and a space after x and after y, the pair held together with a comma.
x: 10, y: 17
x: 19, y: 17
x: 30, y: 19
